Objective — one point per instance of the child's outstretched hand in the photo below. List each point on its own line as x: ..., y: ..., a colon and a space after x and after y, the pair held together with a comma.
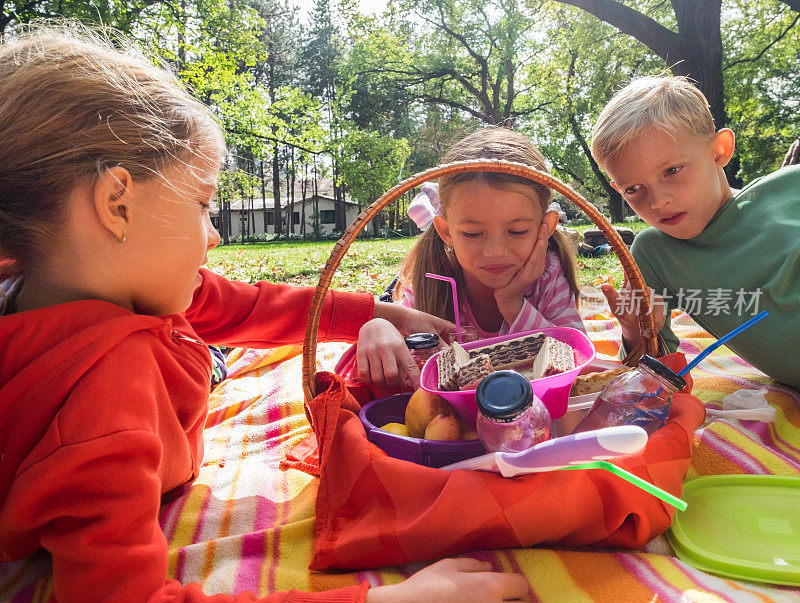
x: 510, y: 298
x: 462, y: 580
x: 382, y: 356
x: 625, y: 305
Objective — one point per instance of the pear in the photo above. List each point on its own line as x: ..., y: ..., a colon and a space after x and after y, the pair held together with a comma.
x: 443, y: 427
x: 421, y: 409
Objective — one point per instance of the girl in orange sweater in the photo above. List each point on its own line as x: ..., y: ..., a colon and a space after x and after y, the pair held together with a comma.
x: 107, y: 170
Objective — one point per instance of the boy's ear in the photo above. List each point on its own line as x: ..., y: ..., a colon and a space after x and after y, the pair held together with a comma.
x: 111, y: 196
x: 551, y: 221
x: 442, y: 228
x: 723, y: 143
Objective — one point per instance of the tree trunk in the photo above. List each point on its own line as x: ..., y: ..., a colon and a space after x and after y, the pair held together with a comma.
x: 289, y: 193
x: 303, y: 201
x: 263, y: 198
x: 276, y: 191
x: 316, y: 202
x: 276, y: 175
x: 224, y: 226
x: 294, y: 179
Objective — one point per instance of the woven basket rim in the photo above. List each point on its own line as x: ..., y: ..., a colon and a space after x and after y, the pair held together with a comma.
x: 650, y: 339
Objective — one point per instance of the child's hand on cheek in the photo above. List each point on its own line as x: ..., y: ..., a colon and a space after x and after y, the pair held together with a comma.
x: 510, y: 298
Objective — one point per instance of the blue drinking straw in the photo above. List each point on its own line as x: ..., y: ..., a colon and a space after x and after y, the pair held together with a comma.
x: 699, y: 358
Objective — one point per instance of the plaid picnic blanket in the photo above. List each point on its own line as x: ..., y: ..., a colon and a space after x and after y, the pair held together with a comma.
x: 246, y: 524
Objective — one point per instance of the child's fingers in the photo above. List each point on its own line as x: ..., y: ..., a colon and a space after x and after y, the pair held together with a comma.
x: 392, y: 367
x: 464, y: 564
x: 612, y: 297
x: 509, y: 587
x: 442, y: 326
x: 409, y: 368
x: 374, y: 372
x: 500, y: 585
x: 534, y: 265
x: 362, y: 364
x: 371, y: 367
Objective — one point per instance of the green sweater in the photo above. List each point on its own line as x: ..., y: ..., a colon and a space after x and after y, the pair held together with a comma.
x: 746, y: 260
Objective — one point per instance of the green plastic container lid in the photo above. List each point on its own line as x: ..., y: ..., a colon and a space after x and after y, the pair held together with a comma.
x: 741, y: 526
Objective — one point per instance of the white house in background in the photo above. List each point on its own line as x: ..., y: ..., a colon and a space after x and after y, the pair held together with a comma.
x: 250, y: 218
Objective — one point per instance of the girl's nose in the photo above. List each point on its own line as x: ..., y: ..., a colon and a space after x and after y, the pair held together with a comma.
x: 212, y: 236
x: 494, y: 247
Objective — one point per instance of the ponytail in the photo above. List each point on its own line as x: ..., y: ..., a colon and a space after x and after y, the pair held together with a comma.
x: 560, y: 243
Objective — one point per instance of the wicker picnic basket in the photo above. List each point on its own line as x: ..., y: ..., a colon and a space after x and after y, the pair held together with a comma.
x: 651, y: 343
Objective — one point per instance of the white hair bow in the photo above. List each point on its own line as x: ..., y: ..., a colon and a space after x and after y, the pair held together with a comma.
x: 425, y: 205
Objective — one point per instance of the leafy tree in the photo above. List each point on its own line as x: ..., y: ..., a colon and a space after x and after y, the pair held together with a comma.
x: 276, y: 68
x: 321, y: 57
x: 762, y: 82
x: 371, y: 163
x: 585, y: 61
x: 462, y: 54
x: 122, y: 16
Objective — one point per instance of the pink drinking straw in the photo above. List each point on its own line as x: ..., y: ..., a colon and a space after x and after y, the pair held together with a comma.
x: 455, y: 299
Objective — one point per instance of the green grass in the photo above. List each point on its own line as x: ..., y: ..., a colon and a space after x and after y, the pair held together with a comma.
x: 368, y: 266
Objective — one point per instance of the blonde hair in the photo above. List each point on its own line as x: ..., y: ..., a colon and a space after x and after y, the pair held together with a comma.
x: 72, y: 106
x: 671, y: 104
x: 429, y: 255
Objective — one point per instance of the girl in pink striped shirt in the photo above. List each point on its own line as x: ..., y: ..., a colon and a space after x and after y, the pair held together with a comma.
x: 494, y: 235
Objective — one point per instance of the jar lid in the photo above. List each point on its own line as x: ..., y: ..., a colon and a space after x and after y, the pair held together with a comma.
x: 662, y: 370
x: 503, y: 395
x: 421, y: 341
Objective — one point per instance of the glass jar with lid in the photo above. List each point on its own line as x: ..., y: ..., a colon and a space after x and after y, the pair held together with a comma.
x: 510, y: 417
x: 468, y: 334
x: 640, y: 397
x: 422, y: 346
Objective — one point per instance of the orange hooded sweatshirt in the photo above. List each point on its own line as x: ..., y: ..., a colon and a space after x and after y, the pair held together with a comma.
x: 102, y: 413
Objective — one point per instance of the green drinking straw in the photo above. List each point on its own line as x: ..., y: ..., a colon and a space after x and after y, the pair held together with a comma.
x: 635, y: 480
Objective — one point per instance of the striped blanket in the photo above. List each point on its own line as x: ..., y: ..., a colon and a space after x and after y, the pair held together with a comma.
x: 248, y: 525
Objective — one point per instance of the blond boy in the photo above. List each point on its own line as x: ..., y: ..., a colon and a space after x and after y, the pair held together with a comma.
x: 720, y: 255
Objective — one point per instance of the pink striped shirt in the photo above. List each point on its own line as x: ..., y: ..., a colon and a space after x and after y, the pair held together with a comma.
x: 547, y: 302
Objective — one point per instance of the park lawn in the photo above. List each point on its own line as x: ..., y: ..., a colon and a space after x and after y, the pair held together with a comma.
x: 369, y: 265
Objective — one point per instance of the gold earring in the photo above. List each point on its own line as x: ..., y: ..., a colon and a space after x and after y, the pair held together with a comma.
x: 124, y: 236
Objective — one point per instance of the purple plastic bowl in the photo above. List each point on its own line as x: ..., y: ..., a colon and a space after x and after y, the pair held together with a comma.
x: 431, y: 453
x: 553, y: 390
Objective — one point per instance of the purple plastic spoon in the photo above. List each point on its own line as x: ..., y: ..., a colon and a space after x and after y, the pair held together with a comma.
x: 565, y: 451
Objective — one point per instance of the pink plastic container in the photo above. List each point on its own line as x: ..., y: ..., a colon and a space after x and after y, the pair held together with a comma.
x: 553, y: 390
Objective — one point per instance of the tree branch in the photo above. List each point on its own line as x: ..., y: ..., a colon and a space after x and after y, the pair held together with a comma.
x: 428, y: 98
x: 242, y: 132
x: 482, y: 61
x: 767, y: 47
x: 661, y: 40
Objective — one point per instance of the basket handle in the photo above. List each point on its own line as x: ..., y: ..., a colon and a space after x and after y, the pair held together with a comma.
x: 650, y: 339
